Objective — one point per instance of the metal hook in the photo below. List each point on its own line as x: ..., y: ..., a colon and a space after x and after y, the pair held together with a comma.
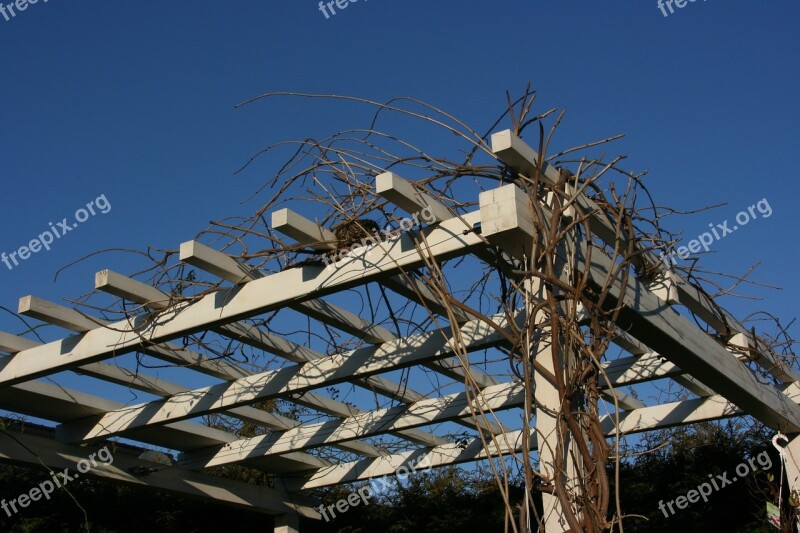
x: 780, y: 447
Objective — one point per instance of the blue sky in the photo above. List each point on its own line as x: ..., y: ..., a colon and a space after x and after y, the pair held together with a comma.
x: 135, y: 101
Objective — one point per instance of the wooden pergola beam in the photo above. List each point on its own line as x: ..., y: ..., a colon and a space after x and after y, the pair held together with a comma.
x: 669, y: 415
x: 508, y: 220
x: 225, y: 267
x: 303, y: 230
x: 58, y: 456
x: 635, y: 347
x: 140, y: 293
x: 515, y: 153
x: 138, y: 380
x: 446, y: 240
x: 410, y: 197
x: 697, y: 353
x: 60, y: 404
x: 299, y: 228
x: 422, y: 413
x: 289, y: 380
x: 419, y: 459
x: 71, y: 319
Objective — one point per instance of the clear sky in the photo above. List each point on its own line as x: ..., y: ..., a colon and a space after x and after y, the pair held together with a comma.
x: 135, y: 101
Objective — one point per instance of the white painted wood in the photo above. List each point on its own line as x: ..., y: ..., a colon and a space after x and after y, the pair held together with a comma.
x: 292, y: 351
x: 664, y: 329
x: 420, y: 459
x: 670, y: 414
x: 681, y: 413
x: 291, y: 379
x: 240, y: 331
x: 59, y: 456
x: 374, y: 334
x: 506, y: 220
x: 792, y: 458
x: 344, y: 320
x: 547, y: 406
x: 665, y: 288
x: 307, y: 436
x: 726, y: 325
x: 130, y: 289
x: 625, y: 401
x: 515, y: 153
x: 138, y: 380
x: 631, y: 370
x: 60, y: 404
x: 165, y: 389
x: 71, y: 319
x: 13, y: 343
x: 416, y: 290
x: 693, y: 385
x: 138, y: 292
x: 219, y: 264
x: 287, y: 523
x: 57, y: 315
x: 357, y: 326
x: 695, y: 352
x: 742, y: 346
x: 504, y: 217
x: 298, y: 227
x: 228, y: 268
x: 411, y: 198
x: 303, y: 230
x: 569, y: 212
x: 300, y: 354
x: 635, y: 347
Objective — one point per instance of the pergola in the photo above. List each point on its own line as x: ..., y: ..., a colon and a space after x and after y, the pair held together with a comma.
x: 667, y: 329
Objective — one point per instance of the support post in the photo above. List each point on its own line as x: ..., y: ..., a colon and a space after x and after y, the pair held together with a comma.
x: 547, y: 399
x: 507, y: 221
x: 287, y: 523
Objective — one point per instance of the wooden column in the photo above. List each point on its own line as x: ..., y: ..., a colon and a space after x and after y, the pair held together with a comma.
x: 287, y: 523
